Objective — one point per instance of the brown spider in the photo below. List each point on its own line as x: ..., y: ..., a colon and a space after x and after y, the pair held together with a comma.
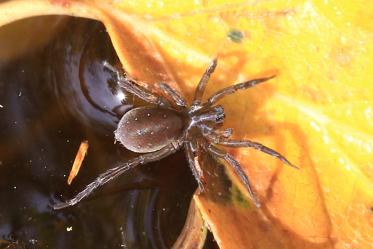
x: 160, y: 130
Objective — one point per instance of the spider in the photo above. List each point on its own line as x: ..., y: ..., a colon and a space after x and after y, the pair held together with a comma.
x: 169, y: 124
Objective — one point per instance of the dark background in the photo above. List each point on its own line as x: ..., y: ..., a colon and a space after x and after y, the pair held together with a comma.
x: 54, y: 93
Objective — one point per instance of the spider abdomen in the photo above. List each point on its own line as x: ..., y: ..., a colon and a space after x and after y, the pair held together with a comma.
x: 148, y: 129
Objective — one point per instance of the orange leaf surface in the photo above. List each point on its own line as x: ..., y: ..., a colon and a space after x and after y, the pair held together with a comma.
x: 317, y: 112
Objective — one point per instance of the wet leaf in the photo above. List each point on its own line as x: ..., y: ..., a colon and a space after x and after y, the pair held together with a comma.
x: 317, y: 111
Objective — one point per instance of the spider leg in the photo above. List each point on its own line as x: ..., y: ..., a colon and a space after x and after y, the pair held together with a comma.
x: 237, y: 168
x: 224, y: 133
x: 215, y: 135
x: 176, y: 97
x: 232, y: 89
x: 257, y: 146
x: 203, y: 82
x: 196, y: 169
x: 117, y: 171
x: 131, y: 86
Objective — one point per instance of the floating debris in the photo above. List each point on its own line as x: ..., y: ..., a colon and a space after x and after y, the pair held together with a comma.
x: 82, y: 152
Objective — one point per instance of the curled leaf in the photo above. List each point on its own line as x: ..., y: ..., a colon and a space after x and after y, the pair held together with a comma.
x: 194, y: 231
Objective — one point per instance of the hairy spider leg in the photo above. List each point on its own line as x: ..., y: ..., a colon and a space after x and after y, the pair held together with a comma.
x: 234, y: 88
x: 175, y: 96
x: 257, y: 146
x: 131, y: 86
x: 203, y: 82
x: 196, y: 170
x: 237, y: 168
x: 117, y: 171
x: 219, y: 137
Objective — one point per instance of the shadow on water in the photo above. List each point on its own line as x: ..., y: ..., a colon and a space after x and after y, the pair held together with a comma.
x: 51, y: 99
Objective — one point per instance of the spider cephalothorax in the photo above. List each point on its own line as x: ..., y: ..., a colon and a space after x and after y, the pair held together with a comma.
x: 170, y: 124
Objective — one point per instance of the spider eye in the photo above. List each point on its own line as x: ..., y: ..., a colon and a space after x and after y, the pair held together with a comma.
x: 220, y: 118
x: 220, y: 115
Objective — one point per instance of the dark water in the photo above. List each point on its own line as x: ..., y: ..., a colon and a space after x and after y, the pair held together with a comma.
x: 53, y: 96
